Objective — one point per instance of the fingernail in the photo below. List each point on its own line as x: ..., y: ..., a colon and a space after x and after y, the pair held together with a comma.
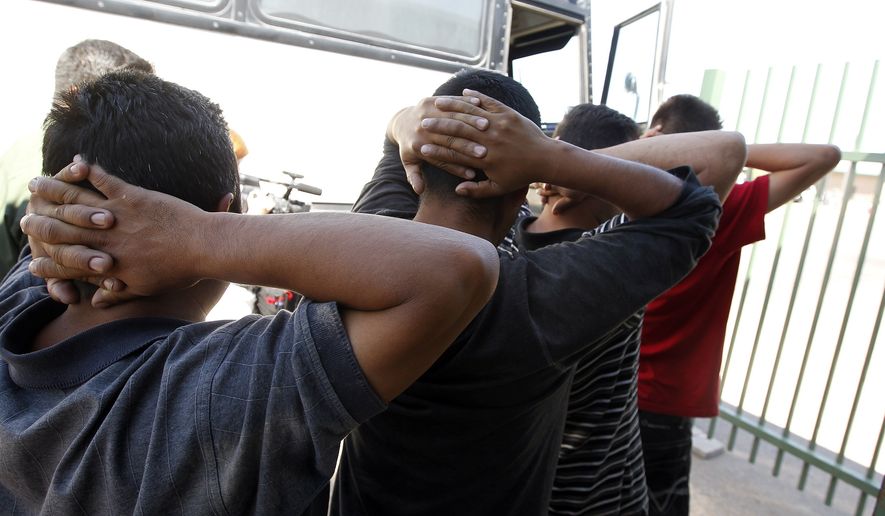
x: 32, y: 185
x: 99, y: 219
x: 470, y: 174
x: 479, y: 151
x: 76, y: 169
x: 426, y: 149
x: 97, y: 263
x: 482, y: 123
x: 32, y: 267
x: 78, y: 158
x: 108, y: 284
x: 425, y: 123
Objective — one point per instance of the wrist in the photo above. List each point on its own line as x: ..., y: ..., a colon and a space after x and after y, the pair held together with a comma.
x: 558, y: 156
x: 204, y: 252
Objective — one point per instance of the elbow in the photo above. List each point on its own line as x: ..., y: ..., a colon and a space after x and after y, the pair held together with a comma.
x: 735, y: 156
x: 469, y: 277
x: 480, y: 269
x: 830, y: 155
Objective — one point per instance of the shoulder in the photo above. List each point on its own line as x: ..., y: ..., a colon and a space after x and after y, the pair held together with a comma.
x: 307, y: 350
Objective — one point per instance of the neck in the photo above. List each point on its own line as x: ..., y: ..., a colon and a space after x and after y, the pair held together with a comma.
x: 586, y: 215
x: 191, y: 304
x: 454, y: 216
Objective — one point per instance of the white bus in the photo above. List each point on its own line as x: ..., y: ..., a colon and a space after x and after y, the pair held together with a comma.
x: 308, y: 84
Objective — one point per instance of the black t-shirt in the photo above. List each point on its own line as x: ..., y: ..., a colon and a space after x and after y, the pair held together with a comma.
x: 480, y: 431
x: 600, y: 468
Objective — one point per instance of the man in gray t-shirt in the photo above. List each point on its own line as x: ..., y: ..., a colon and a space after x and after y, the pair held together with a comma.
x: 138, y: 406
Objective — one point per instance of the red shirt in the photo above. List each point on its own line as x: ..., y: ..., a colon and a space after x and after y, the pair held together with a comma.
x: 684, y: 328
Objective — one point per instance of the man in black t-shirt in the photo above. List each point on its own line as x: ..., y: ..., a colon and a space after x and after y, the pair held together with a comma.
x: 479, y: 433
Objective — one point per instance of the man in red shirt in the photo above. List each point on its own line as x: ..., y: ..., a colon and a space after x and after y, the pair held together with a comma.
x: 684, y: 328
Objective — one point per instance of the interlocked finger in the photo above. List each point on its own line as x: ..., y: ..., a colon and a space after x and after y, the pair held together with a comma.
x: 52, y: 231
x: 60, y: 192
x: 77, y: 257
x: 76, y: 214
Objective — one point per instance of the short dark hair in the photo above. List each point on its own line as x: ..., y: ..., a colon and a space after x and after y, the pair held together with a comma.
x: 686, y: 114
x: 148, y: 132
x: 91, y: 58
x: 591, y: 126
x: 498, y: 86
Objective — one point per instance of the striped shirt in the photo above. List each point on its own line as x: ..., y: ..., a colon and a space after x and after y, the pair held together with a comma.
x: 600, y: 467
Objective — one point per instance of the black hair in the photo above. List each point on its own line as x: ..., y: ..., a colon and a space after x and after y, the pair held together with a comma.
x: 686, y: 114
x: 91, y: 58
x: 498, y: 86
x: 148, y: 132
x: 591, y: 126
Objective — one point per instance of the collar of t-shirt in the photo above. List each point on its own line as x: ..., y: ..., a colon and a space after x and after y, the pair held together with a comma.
x: 79, y: 358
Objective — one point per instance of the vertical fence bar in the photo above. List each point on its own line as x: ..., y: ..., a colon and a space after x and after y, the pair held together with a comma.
x: 740, y: 407
x: 821, y: 186
x: 849, y: 191
x: 737, y: 321
x: 774, y: 268
x: 871, y: 470
x: 857, y: 272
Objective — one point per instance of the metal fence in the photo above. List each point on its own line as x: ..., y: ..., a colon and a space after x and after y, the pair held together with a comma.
x: 804, y: 345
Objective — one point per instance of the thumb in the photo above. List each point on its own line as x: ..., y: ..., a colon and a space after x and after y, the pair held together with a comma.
x: 414, y: 176
x: 111, y: 186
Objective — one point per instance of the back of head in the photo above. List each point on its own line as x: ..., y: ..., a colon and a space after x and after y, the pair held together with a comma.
x: 148, y: 132
x: 592, y: 126
x: 686, y: 114
x: 498, y: 86
x: 92, y: 58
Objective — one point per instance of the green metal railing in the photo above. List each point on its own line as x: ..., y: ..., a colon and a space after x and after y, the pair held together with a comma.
x: 867, y: 169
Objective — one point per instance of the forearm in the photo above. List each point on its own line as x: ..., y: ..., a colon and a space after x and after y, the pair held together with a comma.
x: 638, y: 189
x: 717, y: 157
x: 778, y: 157
x: 794, y: 167
x: 304, y: 253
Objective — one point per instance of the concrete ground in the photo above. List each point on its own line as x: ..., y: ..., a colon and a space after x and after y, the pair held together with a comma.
x: 729, y: 485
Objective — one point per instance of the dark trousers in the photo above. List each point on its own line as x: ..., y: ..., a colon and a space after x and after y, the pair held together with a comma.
x: 666, y: 450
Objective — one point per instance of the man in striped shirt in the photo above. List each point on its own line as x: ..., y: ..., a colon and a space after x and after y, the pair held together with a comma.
x: 600, y: 468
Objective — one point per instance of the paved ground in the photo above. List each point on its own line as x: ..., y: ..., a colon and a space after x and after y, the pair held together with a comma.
x: 729, y: 485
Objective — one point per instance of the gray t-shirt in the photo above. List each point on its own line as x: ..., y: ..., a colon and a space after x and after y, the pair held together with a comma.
x: 160, y: 416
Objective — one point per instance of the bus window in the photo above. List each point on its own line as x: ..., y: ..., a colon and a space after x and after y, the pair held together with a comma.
x: 454, y: 27
x: 554, y: 78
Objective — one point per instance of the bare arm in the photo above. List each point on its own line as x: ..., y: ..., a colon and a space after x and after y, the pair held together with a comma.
x: 717, y: 157
x: 793, y: 166
x: 405, y: 289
